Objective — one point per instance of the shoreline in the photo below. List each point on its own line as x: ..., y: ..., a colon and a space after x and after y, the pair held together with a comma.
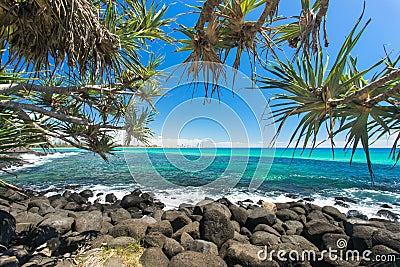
x: 213, y: 232
x: 171, y: 198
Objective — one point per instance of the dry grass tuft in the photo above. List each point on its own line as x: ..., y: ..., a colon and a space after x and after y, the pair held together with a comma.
x: 97, y: 257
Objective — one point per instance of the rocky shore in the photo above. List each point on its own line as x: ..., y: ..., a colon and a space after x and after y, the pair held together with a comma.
x: 14, y: 159
x: 56, y: 230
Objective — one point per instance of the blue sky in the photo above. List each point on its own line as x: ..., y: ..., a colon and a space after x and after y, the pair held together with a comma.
x: 342, y: 15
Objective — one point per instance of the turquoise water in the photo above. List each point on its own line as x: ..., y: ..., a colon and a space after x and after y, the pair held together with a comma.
x: 318, y: 176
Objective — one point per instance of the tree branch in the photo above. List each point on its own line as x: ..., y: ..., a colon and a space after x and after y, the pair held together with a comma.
x: 389, y: 77
x: 206, y: 13
x: 269, y: 10
x: 65, y: 90
x: 25, y: 117
x: 384, y: 96
x: 62, y: 117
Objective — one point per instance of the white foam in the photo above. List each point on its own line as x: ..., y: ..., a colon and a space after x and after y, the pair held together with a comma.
x: 172, y: 198
x: 32, y: 160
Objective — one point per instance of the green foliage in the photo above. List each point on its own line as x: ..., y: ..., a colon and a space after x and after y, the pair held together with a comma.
x: 14, y: 134
x: 336, y: 100
x: 83, y: 102
x: 224, y: 28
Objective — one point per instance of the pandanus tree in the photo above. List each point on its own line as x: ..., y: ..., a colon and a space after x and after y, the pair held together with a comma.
x: 337, y: 100
x: 84, y: 64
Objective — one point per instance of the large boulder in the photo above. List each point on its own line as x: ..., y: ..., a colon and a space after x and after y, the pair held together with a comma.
x: 119, y: 215
x: 388, y: 214
x: 172, y: 247
x: 299, y: 210
x: 153, y: 257
x: 28, y: 217
x: 291, y: 246
x: 293, y: 227
x: 392, y: 226
x: 335, y: 241
x: 266, y: 228
x: 298, y: 241
x: 154, y: 240
x: 239, y: 214
x: 198, y: 208
x: 241, y: 238
x: 62, y: 224
x: 287, y: 214
x: 361, y: 236
x: 203, y: 246
x: 216, y: 227
x: 386, y: 238
x: 178, y: 219
x: 185, y: 240
x: 129, y: 201
x: 163, y: 227
x: 136, y: 230
x: 7, y: 228
x: 316, y: 215
x: 334, y: 213
x: 105, y: 227
x: 73, y: 206
x: 86, y: 193
x: 260, y: 215
x: 111, y: 198
x: 261, y: 238
x: 121, y: 242
x: 78, y: 199
x: 196, y: 259
x: 88, y: 221
x: 59, y: 202
x: 219, y: 207
x: 42, y: 204
x: 246, y: 255
x: 314, y: 230
x: 193, y: 229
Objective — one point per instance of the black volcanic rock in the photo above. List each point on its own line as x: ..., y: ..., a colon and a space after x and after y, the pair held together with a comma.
x: 111, y: 198
x: 388, y: 214
x: 260, y: 215
x: 130, y: 201
x: 356, y: 214
x: 7, y: 228
x: 196, y: 259
x: 216, y: 227
x: 178, y: 219
x: 86, y: 193
x: 78, y: 199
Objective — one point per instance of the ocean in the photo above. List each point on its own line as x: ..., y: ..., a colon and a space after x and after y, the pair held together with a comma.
x: 187, y: 175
